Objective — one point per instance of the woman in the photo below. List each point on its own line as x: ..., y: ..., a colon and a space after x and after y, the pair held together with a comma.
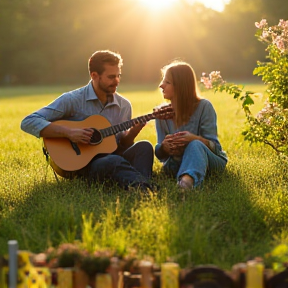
x: 188, y: 144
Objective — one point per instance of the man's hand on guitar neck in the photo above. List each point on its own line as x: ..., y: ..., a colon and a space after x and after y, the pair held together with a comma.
x: 75, y: 135
x: 127, y: 138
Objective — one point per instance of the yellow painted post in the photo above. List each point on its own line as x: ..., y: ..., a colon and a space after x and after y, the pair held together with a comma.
x: 255, y: 274
x: 170, y: 275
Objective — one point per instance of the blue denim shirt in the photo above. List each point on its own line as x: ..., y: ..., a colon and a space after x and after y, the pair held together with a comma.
x: 77, y: 105
x: 203, y: 123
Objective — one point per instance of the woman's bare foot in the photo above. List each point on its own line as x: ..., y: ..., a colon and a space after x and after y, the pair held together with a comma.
x: 186, y: 182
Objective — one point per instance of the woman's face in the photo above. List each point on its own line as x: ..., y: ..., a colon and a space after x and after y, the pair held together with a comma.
x: 167, y: 86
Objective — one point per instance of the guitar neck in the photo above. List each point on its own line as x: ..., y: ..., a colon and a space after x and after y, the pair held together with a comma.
x: 113, y: 130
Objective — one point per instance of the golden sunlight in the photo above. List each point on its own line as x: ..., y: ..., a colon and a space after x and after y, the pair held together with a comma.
x: 217, y: 5
x: 156, y: 5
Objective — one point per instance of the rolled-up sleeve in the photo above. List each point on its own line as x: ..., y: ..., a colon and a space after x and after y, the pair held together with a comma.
x: 38, y: 120
x: 34, y: 123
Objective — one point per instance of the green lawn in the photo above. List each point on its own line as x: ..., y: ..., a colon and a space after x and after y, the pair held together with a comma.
x: 230, y: 219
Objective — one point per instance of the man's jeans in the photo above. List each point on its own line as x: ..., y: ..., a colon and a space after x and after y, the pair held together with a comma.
x: 134, y: 167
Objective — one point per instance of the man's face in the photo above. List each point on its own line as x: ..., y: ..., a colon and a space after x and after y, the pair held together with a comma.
x: 109, y: 79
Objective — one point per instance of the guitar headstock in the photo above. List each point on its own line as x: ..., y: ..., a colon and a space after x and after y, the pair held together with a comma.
x: 164, y: 112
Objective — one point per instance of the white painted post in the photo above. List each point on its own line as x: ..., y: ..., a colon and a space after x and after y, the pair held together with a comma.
x: 13, y: 265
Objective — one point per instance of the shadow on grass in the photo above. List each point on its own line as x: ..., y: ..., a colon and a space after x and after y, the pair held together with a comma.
x: 216, y: 224
x: 52, y: 212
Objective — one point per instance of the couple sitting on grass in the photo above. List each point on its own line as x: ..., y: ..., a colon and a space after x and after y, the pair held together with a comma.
x: 187, y: 141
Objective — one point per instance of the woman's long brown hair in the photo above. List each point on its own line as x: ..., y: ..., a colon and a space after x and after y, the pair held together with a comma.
x: 185, y: 88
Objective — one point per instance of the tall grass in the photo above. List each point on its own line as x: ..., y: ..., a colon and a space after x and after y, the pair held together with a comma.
x: 231, y: 218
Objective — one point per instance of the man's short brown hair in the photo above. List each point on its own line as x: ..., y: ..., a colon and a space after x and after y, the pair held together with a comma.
x: 99, y: 58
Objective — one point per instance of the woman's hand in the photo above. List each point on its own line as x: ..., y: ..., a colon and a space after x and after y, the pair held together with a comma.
x: 170, y: 148
x: 175, y: 144
x: 183, y: 138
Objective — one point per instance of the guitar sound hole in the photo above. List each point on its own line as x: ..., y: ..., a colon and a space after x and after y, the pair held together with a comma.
x: 96, y: 138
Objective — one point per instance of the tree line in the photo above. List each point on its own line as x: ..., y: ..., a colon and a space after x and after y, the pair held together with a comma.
x: 50, y: 41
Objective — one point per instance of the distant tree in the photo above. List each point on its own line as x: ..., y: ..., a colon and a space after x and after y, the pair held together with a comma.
x: 49, y: 41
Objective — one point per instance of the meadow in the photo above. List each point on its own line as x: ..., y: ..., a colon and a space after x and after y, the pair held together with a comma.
x: 231, y: 218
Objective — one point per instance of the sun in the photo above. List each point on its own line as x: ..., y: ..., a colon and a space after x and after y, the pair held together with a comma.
x: 156, y: 5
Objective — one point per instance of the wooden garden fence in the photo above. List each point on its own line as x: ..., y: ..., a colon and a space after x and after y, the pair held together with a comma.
x: 19, y: 272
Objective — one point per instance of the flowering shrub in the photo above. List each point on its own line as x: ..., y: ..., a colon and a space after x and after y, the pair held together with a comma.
x: 270, y: 125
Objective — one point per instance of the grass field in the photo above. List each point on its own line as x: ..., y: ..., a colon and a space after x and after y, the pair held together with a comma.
x: 232, y: 218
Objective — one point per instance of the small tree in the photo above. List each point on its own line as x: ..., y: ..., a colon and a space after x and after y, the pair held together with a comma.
x: 270, y: 125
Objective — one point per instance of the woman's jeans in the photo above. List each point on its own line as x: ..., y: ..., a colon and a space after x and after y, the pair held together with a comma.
x: 133, y: 168
x: 196, y: 161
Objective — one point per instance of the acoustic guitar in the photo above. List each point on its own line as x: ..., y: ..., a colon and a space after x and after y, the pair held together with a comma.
x: 70, y: 156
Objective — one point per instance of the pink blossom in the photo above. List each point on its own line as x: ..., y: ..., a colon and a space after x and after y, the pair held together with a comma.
x: 206, y: 81
x: 280, y: 43
x: 265, y: 34
x: 213, y: 78
x: 283, y: 23
x: 263, y: 23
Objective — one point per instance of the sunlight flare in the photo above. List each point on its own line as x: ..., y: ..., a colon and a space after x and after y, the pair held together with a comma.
x: 217, y: 5
x: 156, y: 5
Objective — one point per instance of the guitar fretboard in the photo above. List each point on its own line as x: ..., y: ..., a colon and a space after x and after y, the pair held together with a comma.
x: 112, y: 130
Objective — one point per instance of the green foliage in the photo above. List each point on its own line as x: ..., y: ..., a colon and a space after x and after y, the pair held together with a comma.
x: 66, y: 255
x: 93, y: 264
x: 277, y: 258
x: 89, y: 234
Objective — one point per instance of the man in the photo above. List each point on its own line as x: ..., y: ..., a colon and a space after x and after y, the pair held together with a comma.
x: 131, y: 167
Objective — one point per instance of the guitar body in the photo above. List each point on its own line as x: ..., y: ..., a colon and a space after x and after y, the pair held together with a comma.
x: 65, y: 157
